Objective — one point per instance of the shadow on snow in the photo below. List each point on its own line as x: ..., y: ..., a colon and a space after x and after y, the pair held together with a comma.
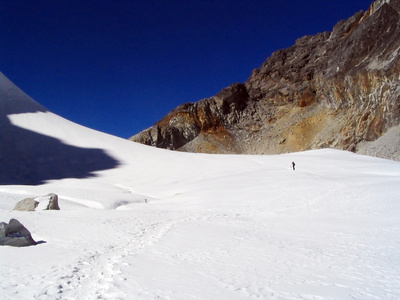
x: 31, y: 158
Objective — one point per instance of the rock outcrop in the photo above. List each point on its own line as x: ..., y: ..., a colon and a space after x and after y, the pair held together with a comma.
x: 47, y: 202
x: 335, y: 89
x: 208, y: 119
x: 27, y: 204
x: 53, y: 202
x: 387, y: 146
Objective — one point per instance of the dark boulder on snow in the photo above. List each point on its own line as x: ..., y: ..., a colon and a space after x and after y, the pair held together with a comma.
x: 15, y: 234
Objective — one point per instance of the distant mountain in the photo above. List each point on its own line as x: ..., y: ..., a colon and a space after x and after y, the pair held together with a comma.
x: 338, y: 89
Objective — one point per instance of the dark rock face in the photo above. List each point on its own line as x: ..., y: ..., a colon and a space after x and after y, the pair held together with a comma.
x: 334, y: 89
x: 15, y: 234
x: 187, y: 122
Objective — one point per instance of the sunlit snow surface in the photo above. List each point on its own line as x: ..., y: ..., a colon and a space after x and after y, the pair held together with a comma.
x: 170, y: 225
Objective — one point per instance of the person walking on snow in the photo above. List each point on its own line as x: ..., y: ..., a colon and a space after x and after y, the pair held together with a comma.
x: 293, y: 165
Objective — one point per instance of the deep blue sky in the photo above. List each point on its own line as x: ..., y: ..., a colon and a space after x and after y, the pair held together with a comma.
x: 119, y: 66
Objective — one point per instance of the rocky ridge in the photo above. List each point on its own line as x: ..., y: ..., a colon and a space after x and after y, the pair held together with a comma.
x: 336, y: 89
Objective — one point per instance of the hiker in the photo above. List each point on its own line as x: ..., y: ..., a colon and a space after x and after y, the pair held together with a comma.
x: 293, y: 165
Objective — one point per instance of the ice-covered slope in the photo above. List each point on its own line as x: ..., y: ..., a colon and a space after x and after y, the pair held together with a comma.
x: 31, y: 155
x: 159, y: 224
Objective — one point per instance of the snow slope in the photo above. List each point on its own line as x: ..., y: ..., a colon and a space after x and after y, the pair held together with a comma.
x: 159, y: 224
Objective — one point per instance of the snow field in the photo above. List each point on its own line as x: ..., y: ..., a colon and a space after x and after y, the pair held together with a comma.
x: 262, y: 232
x: 170, y: 225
